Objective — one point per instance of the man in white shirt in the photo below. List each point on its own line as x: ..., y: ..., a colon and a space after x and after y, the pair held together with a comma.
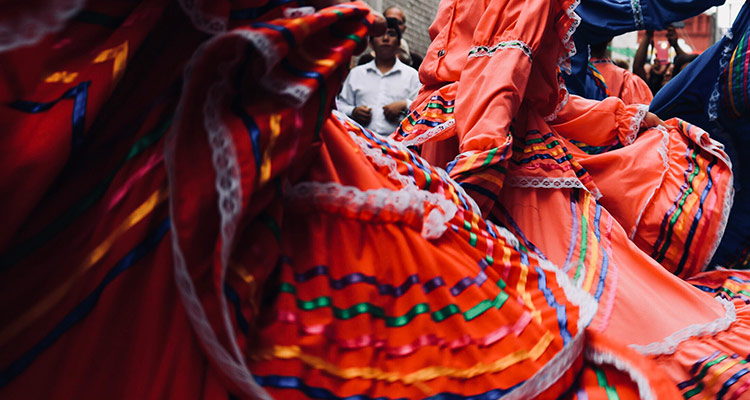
x: 378, y: 94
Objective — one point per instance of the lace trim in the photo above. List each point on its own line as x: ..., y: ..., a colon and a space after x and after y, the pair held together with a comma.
x: 487, y: 51
x: 635, y: 5
x: 227, y: 185
x: 561, y: 87
x: 296, y: 94
x: 663, y: 146
x: 550, y: 183
x: 550, y: 372
x: 429, y: 134
x: 378, y: 158
x: 726, y: 54
x: 373, y: 202
x: 716, y: 148
x: 728, y: 202
x: 567, y: 40
x: 670, y: 343
x: 600, y: 357
x: 586, y: 303
x: 32, y: 25
x: 206, y: 23
x: 298, y: 12
x: 635, y: 124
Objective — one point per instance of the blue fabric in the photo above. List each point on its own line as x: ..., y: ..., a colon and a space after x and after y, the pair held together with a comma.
x: 608, y: 18
x: 687, y: 96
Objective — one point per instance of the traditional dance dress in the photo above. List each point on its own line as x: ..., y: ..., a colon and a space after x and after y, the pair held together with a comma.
x: 712, y: 92
x: 579, y: 183
x: 218, y: 233
x: 619, y: 82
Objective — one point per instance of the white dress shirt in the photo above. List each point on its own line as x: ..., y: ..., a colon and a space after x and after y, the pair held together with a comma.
x: 367, y: 86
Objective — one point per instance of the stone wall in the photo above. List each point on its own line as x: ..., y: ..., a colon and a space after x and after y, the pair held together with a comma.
x: 419, y: 16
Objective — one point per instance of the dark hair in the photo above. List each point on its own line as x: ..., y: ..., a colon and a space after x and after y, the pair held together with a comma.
x: 600, y: 49
x: 392, y: 23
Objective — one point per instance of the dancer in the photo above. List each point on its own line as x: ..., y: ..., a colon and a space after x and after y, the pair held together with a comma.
x: 711, y: 92
x: 413, y: 295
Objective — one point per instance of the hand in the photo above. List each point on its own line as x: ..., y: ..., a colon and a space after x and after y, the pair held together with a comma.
x: 672, y: 36
x: 651, y: 120
x: 362, y: 114
x: 393, y: 111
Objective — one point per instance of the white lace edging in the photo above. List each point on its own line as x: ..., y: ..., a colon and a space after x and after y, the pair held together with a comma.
x: 635, y: 5
x: 586, y: 303
x: 296, y: 94
x: 550, y: 372
x: 670, y: 343
x: 726, y: 54
x: 600, y: 357
x: 567, y: 40
x: 489, y: 51
x: 437, y: 220
x: 429, y: 134
x: 32, y: 25
x: 406, y: 200
x: 728, y: 202
x: 298, y: 12
x: 205, y: 23
x: 561, y: 87
x: 662, y: 149
x: 635, y: 124
x: 537, y: 182
x: 227, y: 184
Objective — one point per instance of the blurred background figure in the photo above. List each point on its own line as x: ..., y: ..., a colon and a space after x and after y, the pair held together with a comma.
x: 378, y: 94
x: 661, y: 70
x: 405, y: 54
x: 617, y: 81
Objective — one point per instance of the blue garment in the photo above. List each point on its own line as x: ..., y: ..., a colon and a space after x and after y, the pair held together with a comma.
x: 608, y: 18
x: 689, y: 96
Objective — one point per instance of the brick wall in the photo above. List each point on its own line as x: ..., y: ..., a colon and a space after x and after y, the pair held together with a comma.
x: 419, y: 16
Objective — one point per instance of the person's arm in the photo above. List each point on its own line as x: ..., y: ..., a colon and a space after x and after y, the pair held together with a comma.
x: 639, y: 61
x: 672, y: 38
x: 346, y: 100
x: 615, y: 121
x: 493, y: 83
x: 395, y: 111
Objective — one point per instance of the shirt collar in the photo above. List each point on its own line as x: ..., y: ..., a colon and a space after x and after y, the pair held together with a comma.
x: 397, y: 67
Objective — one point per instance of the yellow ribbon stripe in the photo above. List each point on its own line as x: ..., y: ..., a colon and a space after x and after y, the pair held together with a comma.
x: 414, y: 378
x: 54, y: 297
x: 265, y: 169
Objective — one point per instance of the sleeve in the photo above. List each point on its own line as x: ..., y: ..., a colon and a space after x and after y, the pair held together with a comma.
x: 491, y: 88
x: 346, y: 100
x: 600, y: 123
x: 635, y: 90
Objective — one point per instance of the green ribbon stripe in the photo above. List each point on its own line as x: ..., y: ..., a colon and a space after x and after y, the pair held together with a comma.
x: 396, y: 321
x: 676, y: 215
x: 584, y: 245
x: 601, y: 378
x: 444, y: 109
